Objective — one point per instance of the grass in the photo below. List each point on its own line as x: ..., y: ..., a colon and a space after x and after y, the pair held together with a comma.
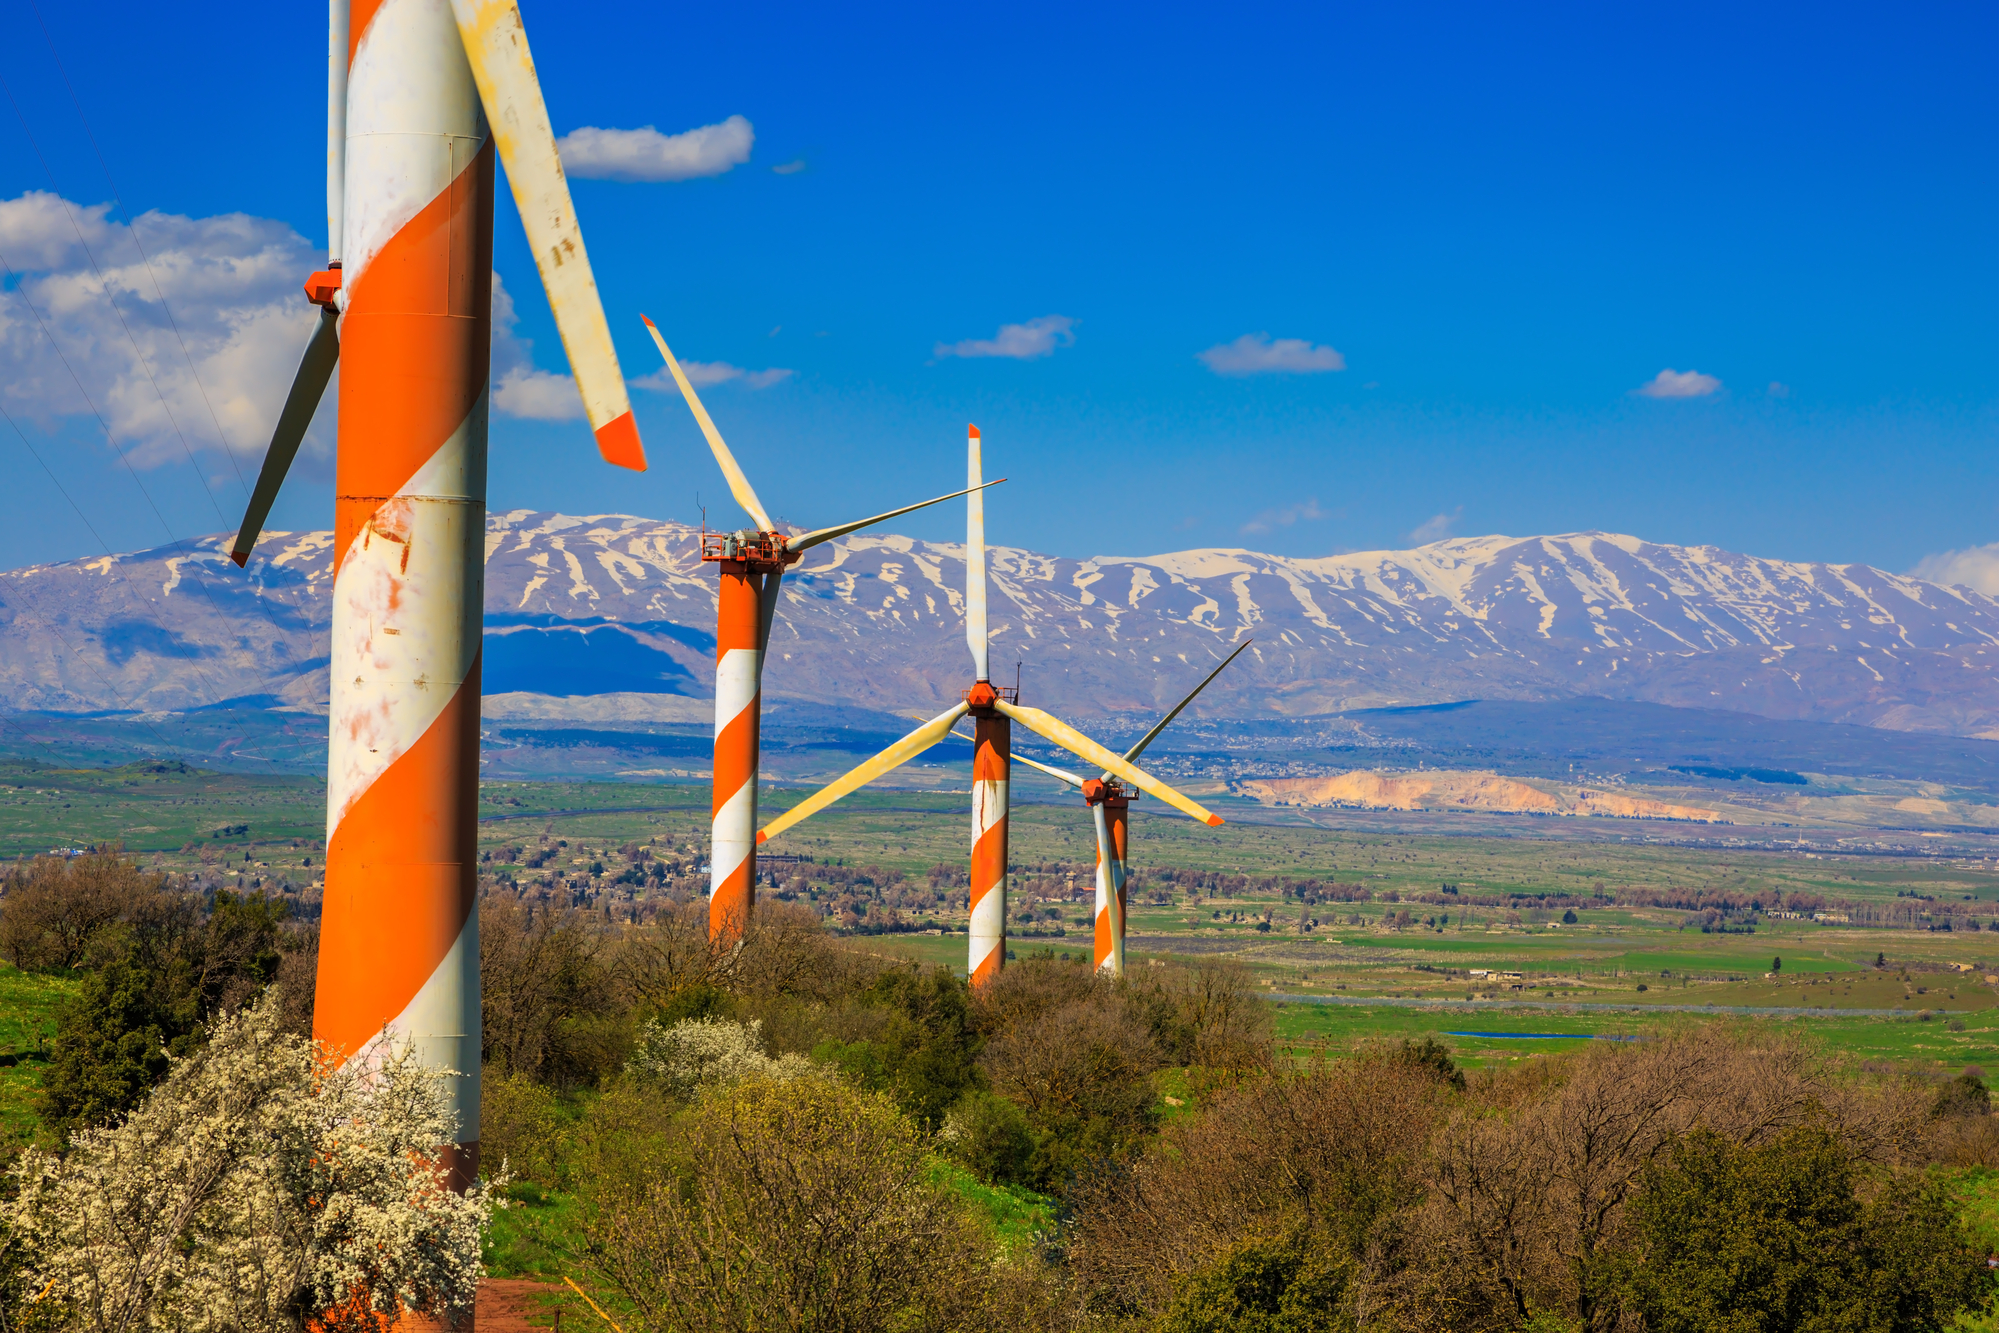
x: 28, y: 1004
x: 1902, y: 1042
x: 535, y: 1235
x: 1016, y: 1215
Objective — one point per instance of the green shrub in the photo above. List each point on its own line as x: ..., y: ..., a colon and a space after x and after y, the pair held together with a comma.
x: 991, y: 1136
x: 1777, y: 1237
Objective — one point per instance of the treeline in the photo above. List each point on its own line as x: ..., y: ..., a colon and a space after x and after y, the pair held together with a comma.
x: 161, y: 959
x: 794, y: 1131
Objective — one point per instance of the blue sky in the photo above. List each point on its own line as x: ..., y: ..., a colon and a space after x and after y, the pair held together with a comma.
x: 1505, y: 221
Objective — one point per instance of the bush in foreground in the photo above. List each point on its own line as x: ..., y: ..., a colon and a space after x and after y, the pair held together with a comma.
x: 806, y: 1203
x: 254, y: 1190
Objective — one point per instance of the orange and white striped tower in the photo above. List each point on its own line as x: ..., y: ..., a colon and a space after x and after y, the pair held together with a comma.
x: 415, y: 89
x: 748, y: 584
x: 399, y: 944
x: 1117, y: 813
x: 992, y: 748
x: 1109, y: 804
x: 992, y: 755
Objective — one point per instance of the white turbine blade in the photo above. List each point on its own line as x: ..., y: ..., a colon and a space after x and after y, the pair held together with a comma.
x: 336, y: 127
x: 1135, y: 751
x: 1082, y: 746
x: 896, y: 755
x: 739, y: 483
x: 818, y: 535
x: 975, y: 556
x: 497, y: 46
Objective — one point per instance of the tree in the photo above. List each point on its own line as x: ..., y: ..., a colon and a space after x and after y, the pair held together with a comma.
x: 167, y: 974
x: 256, y: 1189
x: 1776, y: 1238
x: 805, y: 1204
x: 544, y: 995
x: 56, y: 907
x: 923, y: 1051
x: 1776, y: 965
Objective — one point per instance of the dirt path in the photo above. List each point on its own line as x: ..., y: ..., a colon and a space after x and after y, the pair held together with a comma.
x: 506, y: 1304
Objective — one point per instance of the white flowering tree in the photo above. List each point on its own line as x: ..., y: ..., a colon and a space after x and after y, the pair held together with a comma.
x: 709, y: 1052
x: 255, y: 1190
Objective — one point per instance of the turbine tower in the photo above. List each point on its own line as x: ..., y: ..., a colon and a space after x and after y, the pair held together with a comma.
x: 422, y: 95
x: 751, y: 564
x: 994, y: 709
x: 1109, y: 803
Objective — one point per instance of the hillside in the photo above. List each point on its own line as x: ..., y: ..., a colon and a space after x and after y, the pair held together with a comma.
x: 608, y: 618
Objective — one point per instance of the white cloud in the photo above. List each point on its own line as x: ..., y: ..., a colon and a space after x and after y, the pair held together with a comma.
x: 791, y: 168
x: 232, y: 282
x: 1779, y: 389
x: 1436, y: 527
x: 1679, y: 384
x: 645, y: 154
x: 538, y: 395
x: 1023, y: 342
x: 702, y: 374
x: 1308, y: 511
x: 1975, y: 567
x: 1257, y: 354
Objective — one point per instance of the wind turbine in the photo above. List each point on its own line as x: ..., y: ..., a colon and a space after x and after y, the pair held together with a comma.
x: 752, y: 564
x: 1109, y: 803
x: 421, y: 97
x: 994, y: 709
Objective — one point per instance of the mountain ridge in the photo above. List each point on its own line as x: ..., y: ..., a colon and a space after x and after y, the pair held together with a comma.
x: 580, y: 606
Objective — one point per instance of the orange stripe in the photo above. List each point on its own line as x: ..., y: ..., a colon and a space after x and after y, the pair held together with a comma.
x: 735, y: 756
x: 360, y: 13
x: 401, y: 873
x: 729, y: 908
x: 988, y: 970
x: 415, y: 346
x: 738, y: 609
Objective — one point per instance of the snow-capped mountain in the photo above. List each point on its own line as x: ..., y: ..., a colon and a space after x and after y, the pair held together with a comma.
x: 613, y: 605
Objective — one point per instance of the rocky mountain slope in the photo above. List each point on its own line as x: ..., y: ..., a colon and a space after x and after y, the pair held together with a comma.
x: 612, y: 616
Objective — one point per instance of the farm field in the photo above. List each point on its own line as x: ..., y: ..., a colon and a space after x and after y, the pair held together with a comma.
x: 1648, y: 964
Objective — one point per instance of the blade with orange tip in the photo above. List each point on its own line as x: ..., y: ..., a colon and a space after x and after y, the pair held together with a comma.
x: 497, y: 46
x: 895, y: 756
x: 818, y: 535
x: 1076, y: 743
x: 739, y: 482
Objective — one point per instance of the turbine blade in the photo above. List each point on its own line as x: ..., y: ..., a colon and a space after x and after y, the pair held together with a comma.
x: 315, y: 368
x: 1059, y: 774
x: 739, y: 484
x: 896, y: 755
x: 497, y: 46
x: 818, y: 535
x: 337, y: 18
x: 766, y: 612
x: 975, y: 556
x: 1135, y: 751
x: 1078, y: 744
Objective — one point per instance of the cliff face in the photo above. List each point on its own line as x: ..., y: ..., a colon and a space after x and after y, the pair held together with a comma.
x: 619, y: 609
x: 1464, y: 791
